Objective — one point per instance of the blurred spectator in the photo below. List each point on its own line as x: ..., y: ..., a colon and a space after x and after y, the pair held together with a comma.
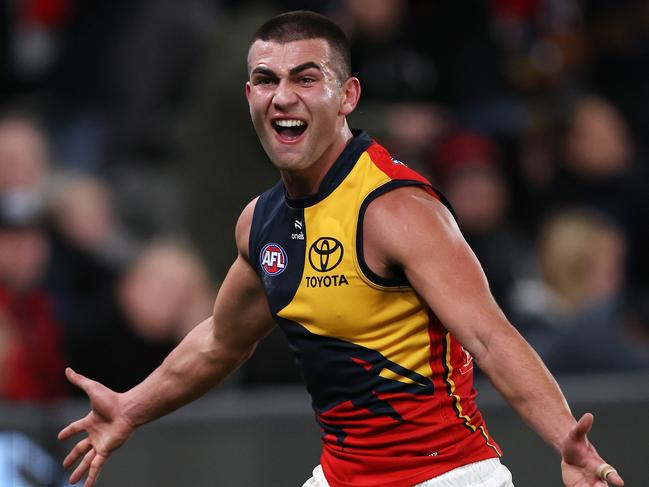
x: 574, y: 314
x: 534, y: 169
x: 597, y: 144
x: 150, y: 309
x: 467, y: 166
x: 413, y: 132
x: 582, y: 259
x: 166, y: 293
x: 599, y: 170
x: 30, y: 42
x: 470, y: 64
x: 400, y: 50
x: 24, y: 157
x: 32, y: 360
x: 89, y: 247
x: 83, y: 214
x: 618, y: 68
x: 542, y: 43
x: 390, y: 65
x: 123, y: 71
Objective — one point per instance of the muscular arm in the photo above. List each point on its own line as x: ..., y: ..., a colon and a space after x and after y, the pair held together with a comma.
x: 215, y: 348
x: 411, y: 230
x: 203, y: 359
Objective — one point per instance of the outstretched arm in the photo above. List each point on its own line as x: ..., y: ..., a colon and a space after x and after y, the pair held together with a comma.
x: 412, y: 230
x: 208, y: 354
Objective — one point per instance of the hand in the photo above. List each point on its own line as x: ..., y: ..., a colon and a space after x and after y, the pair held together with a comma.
x: 580, y: 460
x: 105, y: 425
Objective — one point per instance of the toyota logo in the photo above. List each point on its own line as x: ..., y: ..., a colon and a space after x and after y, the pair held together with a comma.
x: 325, y: 254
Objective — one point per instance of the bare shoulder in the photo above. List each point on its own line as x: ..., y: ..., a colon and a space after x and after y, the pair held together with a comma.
x: 242, y: 230
x: 400, y: 219
x: 408, y: 200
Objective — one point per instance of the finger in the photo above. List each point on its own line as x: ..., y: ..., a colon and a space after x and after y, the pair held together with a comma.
x: 95, y: 468
x: 73, y: 429
x: 80, y: 449
x: 609, y: 475
x: 583, y: 426
x: 83, y: 467
x: 78, y: 380
x: 614, y: 478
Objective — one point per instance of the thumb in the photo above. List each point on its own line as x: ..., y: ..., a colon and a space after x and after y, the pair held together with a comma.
x: 583, y: 426
x: 102, y: 399
x: 78, y: 380
x: 93, y: 389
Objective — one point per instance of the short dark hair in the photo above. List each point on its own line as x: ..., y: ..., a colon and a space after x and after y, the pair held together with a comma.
x: 303, y: 24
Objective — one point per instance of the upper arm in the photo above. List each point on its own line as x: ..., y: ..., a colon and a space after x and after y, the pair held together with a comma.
x: 241, y: 313
x: 411, y: 229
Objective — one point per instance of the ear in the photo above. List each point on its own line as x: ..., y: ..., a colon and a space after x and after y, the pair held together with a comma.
x: 351, y: 93
x: 248, y: 91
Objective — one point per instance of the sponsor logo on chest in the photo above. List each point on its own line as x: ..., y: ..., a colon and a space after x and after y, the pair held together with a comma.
x: 325, y: 254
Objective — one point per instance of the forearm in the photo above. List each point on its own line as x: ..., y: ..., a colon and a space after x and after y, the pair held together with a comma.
x: 210, y: 352
x: 520, y: 376
x: 195, y: 366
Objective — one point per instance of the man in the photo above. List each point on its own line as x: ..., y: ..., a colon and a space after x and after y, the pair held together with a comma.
x: 31, y: 357
x: 362, y: 265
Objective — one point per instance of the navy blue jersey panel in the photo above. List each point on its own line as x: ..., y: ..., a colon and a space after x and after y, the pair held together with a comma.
x: 337, y: 371
x: 258, y: 217
x: 278, y: 246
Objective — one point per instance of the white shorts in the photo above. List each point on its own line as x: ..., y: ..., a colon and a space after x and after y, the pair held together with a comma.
x: 486, y: 473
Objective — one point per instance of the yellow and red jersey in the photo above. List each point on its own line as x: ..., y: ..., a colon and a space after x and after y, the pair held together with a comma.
x: 391, y: 388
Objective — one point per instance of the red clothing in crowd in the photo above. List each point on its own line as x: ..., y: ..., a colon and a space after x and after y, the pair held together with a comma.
x: 32, y: 365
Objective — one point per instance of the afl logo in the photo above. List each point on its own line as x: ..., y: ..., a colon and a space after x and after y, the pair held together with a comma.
x: 325, y: 254
x: 273, y: 259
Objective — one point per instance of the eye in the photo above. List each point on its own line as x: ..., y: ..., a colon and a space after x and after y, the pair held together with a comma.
x: 306, y: 80
x: 263, y: 81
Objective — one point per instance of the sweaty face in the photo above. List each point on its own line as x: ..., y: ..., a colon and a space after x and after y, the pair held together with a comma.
x: 295, y: 101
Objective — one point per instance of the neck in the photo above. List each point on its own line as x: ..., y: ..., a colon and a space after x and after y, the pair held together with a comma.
x: 306, y: 182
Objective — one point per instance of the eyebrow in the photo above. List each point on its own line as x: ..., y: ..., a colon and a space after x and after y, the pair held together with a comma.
x: 264, y: 71
x: 292, y: 72
x: 302, y: 67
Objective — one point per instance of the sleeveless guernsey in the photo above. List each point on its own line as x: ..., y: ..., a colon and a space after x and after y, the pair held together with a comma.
x: 391, y: 388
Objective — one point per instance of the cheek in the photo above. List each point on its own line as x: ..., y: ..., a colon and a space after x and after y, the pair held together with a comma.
x: 258, y: 105
x: 256, y: 121
x: 325, y: 112
x: 329, y: 92
x: 332, y: 98
x: 254, y: 110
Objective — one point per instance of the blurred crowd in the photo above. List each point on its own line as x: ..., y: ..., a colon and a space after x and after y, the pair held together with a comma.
x: 75, y: 289
x: 126, y: 154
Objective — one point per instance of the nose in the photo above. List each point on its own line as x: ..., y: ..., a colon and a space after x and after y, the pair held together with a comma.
x: 285, y: 95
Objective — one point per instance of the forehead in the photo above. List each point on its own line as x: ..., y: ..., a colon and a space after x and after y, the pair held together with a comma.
x: 282, y: 56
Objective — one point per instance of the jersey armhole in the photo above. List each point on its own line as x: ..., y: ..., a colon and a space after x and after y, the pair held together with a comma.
x: 399, y: 281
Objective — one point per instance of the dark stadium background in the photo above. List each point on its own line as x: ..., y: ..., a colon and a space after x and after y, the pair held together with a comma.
x: 126, y: 149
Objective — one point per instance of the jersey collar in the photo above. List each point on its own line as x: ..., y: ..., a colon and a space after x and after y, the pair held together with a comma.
x: 338, y: 172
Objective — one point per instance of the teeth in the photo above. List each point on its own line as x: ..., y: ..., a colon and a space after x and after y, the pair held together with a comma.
x: 289, y: 123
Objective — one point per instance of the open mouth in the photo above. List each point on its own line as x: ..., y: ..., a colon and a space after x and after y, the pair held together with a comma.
x: 289, y: 130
